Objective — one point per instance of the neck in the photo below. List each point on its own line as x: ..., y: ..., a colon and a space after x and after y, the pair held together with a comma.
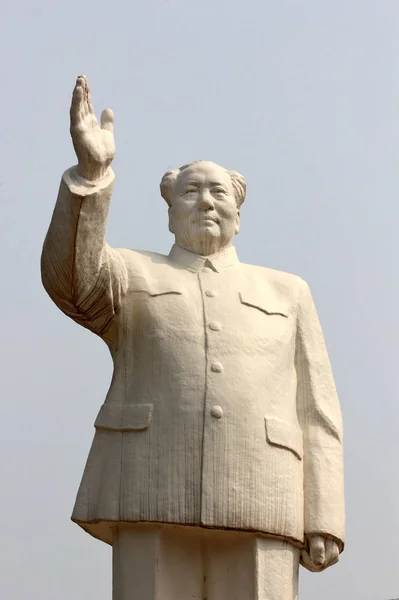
x: 204, y: 248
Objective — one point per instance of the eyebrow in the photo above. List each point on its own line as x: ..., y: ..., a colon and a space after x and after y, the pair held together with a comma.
x: 211, y: 183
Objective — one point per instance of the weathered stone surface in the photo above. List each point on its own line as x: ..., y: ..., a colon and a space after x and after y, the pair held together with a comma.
x: 222, y: 411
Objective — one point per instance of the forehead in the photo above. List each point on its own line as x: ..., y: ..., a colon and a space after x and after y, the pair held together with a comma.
x: 204, y: 173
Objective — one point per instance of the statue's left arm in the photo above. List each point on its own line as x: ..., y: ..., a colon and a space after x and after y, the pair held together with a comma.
x: 321, y: 422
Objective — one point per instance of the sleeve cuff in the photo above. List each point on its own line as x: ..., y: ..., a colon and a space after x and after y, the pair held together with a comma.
x: 80, y: 186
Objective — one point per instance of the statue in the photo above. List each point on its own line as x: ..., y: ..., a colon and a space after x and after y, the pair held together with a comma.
x: 216, y: 465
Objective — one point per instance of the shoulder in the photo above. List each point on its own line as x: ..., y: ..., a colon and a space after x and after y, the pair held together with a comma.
x: 145, y: 265
x: 144, y: 258
x: 285, y: 284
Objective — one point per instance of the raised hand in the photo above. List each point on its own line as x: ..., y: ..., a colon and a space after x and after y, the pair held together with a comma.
x: 94, y: 145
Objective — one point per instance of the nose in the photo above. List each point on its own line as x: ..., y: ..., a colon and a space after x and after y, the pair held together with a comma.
x: 206, y: 201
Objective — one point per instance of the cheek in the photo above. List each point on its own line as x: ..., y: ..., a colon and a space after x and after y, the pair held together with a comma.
x: 182, y: 211
x: 228, y: 213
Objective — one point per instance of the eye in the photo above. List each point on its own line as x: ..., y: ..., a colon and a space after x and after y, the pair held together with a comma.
x: 190, y: 190
x: 219, y: 191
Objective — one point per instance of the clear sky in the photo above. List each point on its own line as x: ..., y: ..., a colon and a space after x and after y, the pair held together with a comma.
x: 302, y: 97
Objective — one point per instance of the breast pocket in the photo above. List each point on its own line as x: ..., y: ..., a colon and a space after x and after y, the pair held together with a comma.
x: 265, y: 318
x: 159, y: 306
x: 161, y: 287
x: 268, y: 306
x: 153, y: 287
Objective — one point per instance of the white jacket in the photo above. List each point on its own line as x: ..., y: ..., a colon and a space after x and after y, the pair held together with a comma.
x: 222, y: 411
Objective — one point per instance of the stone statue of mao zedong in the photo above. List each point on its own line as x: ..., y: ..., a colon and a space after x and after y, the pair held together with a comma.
x: 216, y: 465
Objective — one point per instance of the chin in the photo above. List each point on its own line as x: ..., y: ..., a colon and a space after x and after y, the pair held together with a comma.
x: 208, y: 237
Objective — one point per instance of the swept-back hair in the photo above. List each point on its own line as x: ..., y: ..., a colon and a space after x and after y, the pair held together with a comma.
x: 168, y: 183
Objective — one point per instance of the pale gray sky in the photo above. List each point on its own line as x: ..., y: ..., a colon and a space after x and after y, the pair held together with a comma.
x: 302, y: 97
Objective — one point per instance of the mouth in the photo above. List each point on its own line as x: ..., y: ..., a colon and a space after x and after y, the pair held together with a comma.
x: 208, y: 220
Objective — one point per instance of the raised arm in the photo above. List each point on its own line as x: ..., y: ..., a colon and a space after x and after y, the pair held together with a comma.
x: 81, y: 273
x: 320, y: 418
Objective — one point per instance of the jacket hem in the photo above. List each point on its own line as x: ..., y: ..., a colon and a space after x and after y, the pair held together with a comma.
x: 101, y: 529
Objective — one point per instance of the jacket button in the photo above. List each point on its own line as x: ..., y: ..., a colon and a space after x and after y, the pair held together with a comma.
x: 216, y: 412
x: 215, y: 326
x: 211, y: 293
x: 217, y: 367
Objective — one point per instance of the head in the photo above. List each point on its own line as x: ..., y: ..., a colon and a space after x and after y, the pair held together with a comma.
x: 204, y: 205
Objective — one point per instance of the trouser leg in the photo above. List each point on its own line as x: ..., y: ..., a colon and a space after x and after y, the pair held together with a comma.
x: 276, y: 572
x: 228, y: 566
x: 245, y: 566
x: 157, y: 562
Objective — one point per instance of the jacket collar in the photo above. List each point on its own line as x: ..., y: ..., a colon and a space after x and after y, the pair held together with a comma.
x: 193, y: 262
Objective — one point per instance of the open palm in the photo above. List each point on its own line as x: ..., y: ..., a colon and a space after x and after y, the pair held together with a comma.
x: 94, y: 145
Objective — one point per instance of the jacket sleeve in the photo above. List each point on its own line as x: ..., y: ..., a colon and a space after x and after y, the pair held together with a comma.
x: 320, y: 419
x: 84, y: 276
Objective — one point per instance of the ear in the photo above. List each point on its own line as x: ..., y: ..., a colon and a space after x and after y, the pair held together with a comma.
x: 170, y: 216
x: 237, y: 227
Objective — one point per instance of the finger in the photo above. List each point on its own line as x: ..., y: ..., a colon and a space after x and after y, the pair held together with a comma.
x: 306, y: 561
x: 76, y: 105
x: 332, y: 553
x: 107, y: 120
x: 82, y: 82
x: 89, y: 102
x: 85, y: 103
x: 317, y: 550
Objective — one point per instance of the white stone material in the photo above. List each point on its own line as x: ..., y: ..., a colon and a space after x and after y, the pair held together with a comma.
x: 222, y: 412
x: 200, y: 563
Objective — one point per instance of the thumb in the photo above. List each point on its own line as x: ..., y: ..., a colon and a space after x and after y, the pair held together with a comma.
x: 317, y: 550
x: 107, y: 120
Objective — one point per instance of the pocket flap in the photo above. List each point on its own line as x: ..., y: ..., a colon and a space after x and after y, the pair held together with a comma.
x: 159, y: 287
x: 135, y: 417
x: 281, y: 433
x: 267, y: 303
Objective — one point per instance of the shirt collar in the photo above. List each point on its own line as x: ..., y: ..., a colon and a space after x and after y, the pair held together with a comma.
x: 194, y: 262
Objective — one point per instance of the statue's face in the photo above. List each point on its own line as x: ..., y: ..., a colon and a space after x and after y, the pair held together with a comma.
x: 203, y: 215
